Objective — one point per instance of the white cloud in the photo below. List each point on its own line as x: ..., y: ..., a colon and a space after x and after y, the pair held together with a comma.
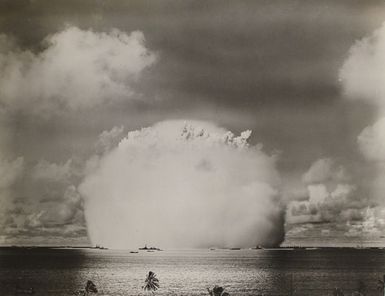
x: 371, y: 141
x: 362, y: 74
x: 323, y: 170
x: 48, y: 205
x: 363, y: 77
x: 372, y: 224
x: 10, y: 171
x: 78, y: 69
x: 68, y: 210
x: 332, y: 196
x: 183, y: 185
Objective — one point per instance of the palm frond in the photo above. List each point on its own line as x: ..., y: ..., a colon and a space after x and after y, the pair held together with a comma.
x: 151, y: 283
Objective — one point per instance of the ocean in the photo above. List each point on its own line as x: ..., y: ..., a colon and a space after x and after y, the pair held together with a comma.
x: 190, y: 272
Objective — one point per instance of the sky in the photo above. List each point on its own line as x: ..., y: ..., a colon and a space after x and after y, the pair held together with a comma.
x: 97, y: 97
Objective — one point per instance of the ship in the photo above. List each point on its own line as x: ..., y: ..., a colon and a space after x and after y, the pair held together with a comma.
x: 100, y: 247
x: 145, y: 248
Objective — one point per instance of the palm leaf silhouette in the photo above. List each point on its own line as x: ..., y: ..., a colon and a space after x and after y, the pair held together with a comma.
x: 91, y: 287
x: 217, y: 291
x: 151, y: 283
x: 381, y: 284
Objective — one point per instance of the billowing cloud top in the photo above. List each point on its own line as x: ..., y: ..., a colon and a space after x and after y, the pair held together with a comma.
x: 183, y: 185
x: 362, y: 74
x: 363, y: 77
x: 331, y: 196
x: 77, y: 69
x: 324, y: 170
x: 372, y: 141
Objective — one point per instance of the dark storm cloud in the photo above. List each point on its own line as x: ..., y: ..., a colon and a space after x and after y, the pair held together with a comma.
x: 230, y: 53
x: 256, y: 61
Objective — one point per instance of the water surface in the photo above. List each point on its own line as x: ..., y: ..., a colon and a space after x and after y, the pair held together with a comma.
x: 189, y: 272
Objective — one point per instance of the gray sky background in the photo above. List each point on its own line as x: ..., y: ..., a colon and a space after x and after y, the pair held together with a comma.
x: 268, y: 66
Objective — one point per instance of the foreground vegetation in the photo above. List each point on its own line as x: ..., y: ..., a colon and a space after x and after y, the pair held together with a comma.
x: 151, y: 285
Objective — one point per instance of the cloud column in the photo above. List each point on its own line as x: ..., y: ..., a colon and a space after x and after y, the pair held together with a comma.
x: 179, y: 184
